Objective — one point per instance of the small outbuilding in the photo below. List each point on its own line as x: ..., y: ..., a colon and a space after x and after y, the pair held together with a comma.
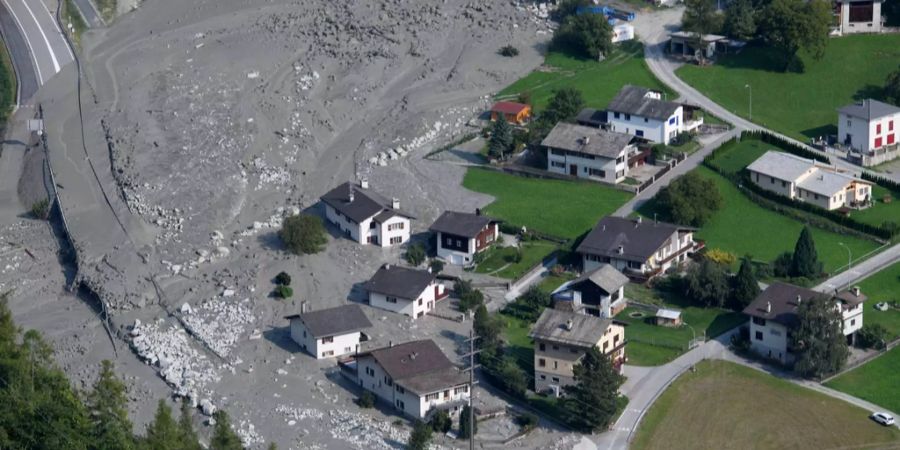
x: 517, y: 113
x: 668, y: 317
x: 330, y: 332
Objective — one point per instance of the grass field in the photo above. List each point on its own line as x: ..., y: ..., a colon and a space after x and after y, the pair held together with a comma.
x: 598, y: 81
x: 557, y: 207
x: 500, y: 262
x: 880, y: 212
x: 875, y: 381
x: 71, y: 16
x: 7, y: 85
x: 743, y: 227
x: 798, y: 105
x: 724, y: 405
x: 518, y: 344
x: 107, y: 9
x: 884, y: 286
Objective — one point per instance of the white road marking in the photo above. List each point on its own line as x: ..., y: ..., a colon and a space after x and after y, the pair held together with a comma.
x: 37, y: 67
x: 46, y: 41
x: 56, y: 25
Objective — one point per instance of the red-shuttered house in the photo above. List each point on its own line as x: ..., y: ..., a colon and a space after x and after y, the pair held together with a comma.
x: 462, y: 235
x: 870, y: 130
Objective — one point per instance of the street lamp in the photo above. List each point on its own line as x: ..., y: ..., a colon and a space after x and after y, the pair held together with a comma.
x: 849, y: 260
x: 747, y: 86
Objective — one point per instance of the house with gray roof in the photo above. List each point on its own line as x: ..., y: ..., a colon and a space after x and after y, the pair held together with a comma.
x: 640, y: 249
x: 561, y: 339
x: 870, y: 129
x: 805, y: 180
x: 366, y: 216
x: 460, y: 236
x: 644, y: 113
x: 404, y: 290
x: 599, y: 292
x: 330, y: 332
x: 415, y: 377
x: 588, y: 152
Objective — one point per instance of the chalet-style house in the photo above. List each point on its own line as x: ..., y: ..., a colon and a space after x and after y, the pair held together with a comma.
x: 460, y: 236
x: 773, y: 318
x: 599, y: 292
x: 858, y: 16
x: 640, y: 249
x: 870, y: 130
x: 365, y: 216
x: 588, y: 152
x: 415, y: 377
x: 561, y: 339
x: 805, y: 180
x: 643, y: 113
x: 330, y: 332
x: 403, y: 290
x: 515, y: 113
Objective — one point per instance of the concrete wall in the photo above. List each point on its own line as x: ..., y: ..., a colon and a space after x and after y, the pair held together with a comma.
x: 562, y: 162
x: 655, y: 130
x: 773, y: 343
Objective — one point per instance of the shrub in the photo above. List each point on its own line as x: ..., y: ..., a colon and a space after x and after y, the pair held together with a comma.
x: 721, y: 256
x: 366, y: 400
x: 282, y: 291
x: 509, y: 51
x: 469, y: 297
x: 41, y: 209
x: 436, y: 266
x: 781, y: 267
x: 303, y: 234
x: 872, y: 335
x: 420, y: 437
x: 465, y: 424
x: 283, y: 279
x: 690, y: 199
x: 415, y: 254
x: 527, y: 421
x: 441, y: 422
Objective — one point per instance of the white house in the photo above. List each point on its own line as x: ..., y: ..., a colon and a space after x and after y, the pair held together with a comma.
x: 588, y: 152
x: 773, y: 318
x: 460, y: 236
x: 415, y: 377
x: 643, y: 113
x: 365, y: 216
x: 404, y: 290
x: 640, y: 249
x: 807, y: 181
x: 871, y: 129
x: 599, y: 292
x: 330, y: 332
x: 858, y: 16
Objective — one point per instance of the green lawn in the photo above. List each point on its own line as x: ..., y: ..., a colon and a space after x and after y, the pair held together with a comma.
x: 518, y: 344
x: 798, y: 105
x: 880, y: 212
x: 726, y: 406
x: 875, y: 381
x: 884, y: 286
x: 71, y: 15
x: 107, y: 9
x: 598, y: 81
x: 737, y: 157
x: 551, y: 282
x: 743, y: 227
x: 557, y: 207
x: 499, y: 261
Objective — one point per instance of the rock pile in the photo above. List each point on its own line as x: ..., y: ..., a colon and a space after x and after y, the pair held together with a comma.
x: 220, y: 322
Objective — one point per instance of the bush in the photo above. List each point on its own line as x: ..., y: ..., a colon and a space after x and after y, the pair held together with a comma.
x: 466, y: 430
x: 283, y: 279
x: 415, y: 254
x: 436, y: 266
x: 366, y: 400
x: 420, y: 437
x: 721, y: 256
x: 469, y: 297
x: 527, y: 421
x: 690, y: 199
x: 282, y: 291
x: 740, y: 342
x: 529, y: 305
x: 682, y: 138
x: 303, y: 234
x: 41, y: 209
x: 872, y: 335
x: 781, y: 267
x: 509, y: 51
x: 441, y: 422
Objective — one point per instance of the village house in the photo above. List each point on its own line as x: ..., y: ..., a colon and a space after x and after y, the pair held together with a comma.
x: 365, y: 216
x: 685, y: 43
x: 460, y: 236
x: 561, y: 339
x: 858, y: 16
x: 870, y: 130
x: 599, y: 292
x: 773, y: 318
x: 640, y: 249
x: 807, y: 181
x: 515, y: 113
x: 643, y: 113
x: 404, y: 290
x: 415, y: 377
x: 330, y: 332
x: 588, y: 152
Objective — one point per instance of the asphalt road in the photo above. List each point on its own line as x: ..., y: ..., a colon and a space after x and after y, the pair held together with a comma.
x: 89, y: 13
x: 20, y: 55
x: 43, y: 39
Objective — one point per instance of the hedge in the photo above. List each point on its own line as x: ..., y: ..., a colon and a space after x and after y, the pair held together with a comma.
x: 785, y: 145
x: 891, y: 185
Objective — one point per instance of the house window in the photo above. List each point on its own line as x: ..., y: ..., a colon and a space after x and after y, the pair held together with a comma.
x: 400, y: 404
x: 328, y: 340
x: 348, y: 349
x: 542, y: 346
x: 390, y: 299
x: 555, y: 379
x: 543, y: 377
x: 396, y: 240
x: 555, y: 347
x: 304, y: 333
x: 400, y: 389
x: 616, y: 115
x: 784, y: 184
x: 372, y: 224
x: 388, y: 381
x: 328, y: 353
x: 759, y: 321
x: 672, y: 120
x: 555, y: 365
x: 370, y: 371
x: 598, y: 173
x: 395, y: 226
x: 639, y: 133
x: 878, y: 129
x: 461, y: 390
x: 890, y: 125
x: 558, y: 164
x: 615, y: 339
x: 420, y: 302
x: 759, y: 336
x: 772, y: 180
x: 849, y: 123
x: 431, y: 397
x: 573, y: 350
x: 878, y: 142
x: 634, y: 265
x: 627, y: 116
x: 852, y: 322
x: 542, y: 362
x: 645, y: 121
x: 605, y: 346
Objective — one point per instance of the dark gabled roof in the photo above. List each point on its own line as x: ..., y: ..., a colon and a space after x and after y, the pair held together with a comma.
x: 401, y: 282
x: 419, y: 366
x: 461, y: 224
x: 639, y: 240
x: 586, y: 329
x: 333, y: 321
x: 850, y: 298
x: 508, y: 107
x: 366, y: 203
x: 869, y: 109
x: 633, y: 100
x: 779, y: 303
x: 587, y: 140
x: 591, y: 117
x: 606, y: 277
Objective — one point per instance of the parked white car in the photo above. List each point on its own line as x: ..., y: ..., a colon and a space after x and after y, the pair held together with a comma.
x: 883, y: 418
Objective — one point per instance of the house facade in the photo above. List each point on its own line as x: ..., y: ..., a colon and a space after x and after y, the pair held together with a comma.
x: 588, y: 152
x: 870, y: 130
x: 858, y: 16
x: 366, y: 216
x: 807, y: 181
x: 561, y: 339
x: 515, y: 113
x: 643, y: 113
x: 404, y: 290
x: 637, y: 248
x: 330, y: 332
x: 460, y: 236
x: 599, y: 292
x: 416, y: 378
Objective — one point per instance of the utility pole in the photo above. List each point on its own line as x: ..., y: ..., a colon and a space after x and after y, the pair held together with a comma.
x: 472, y: 382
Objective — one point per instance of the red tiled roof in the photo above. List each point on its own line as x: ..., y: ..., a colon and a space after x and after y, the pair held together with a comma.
x: 508, y: 107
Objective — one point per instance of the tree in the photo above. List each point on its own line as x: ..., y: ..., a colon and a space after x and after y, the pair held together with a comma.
x: 591, y: 400
x: 366, y: 400
x: 872, y: 335
x: 436, y: 266
x: 793, y: 25
x: 892, y: 87
x: 41, y: 209
x: 420, y: 436
x: 303, y: 234
x: 186, y: 433
x: 467, y: 427
x: 819, y: 340
x: 415, y: 254
x: 283, y: 279
x: 509, y: 51
x: 224, y: 438
x: 740, y: 20
x: 588, y: 35
x: 744, y: 286
x: 690, y: 199
x: 487, y: 328
x: 805, y: 260
x: 282, y: 291
x: 469, y: 297
x: 501, y: 140
x: 163, y: 432
x: 701, y: 18
x: 441, y: 422
x: 108, y: 409
x: 707, y: 283
x: 781, y: 267
x: 564, y: 105
x: 568, y: 8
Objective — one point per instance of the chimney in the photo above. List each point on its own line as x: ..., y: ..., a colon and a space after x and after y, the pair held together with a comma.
x: 351, y: 196
x: 569, y: 325
x: 639, y: 220
x: 364, y: 183
x: 768, y: 307
x: 621, y: 249
x: 428, y: 269
x: 387, y: 266
x: 585, y: 140
x: 855, y: 291
x: 395, y: 203
x: 390, y: 343
x: 799, y: 299
x: 413, y: 355
x: 604, y: 227
x: 303, y: 307
x: 477, y: 211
